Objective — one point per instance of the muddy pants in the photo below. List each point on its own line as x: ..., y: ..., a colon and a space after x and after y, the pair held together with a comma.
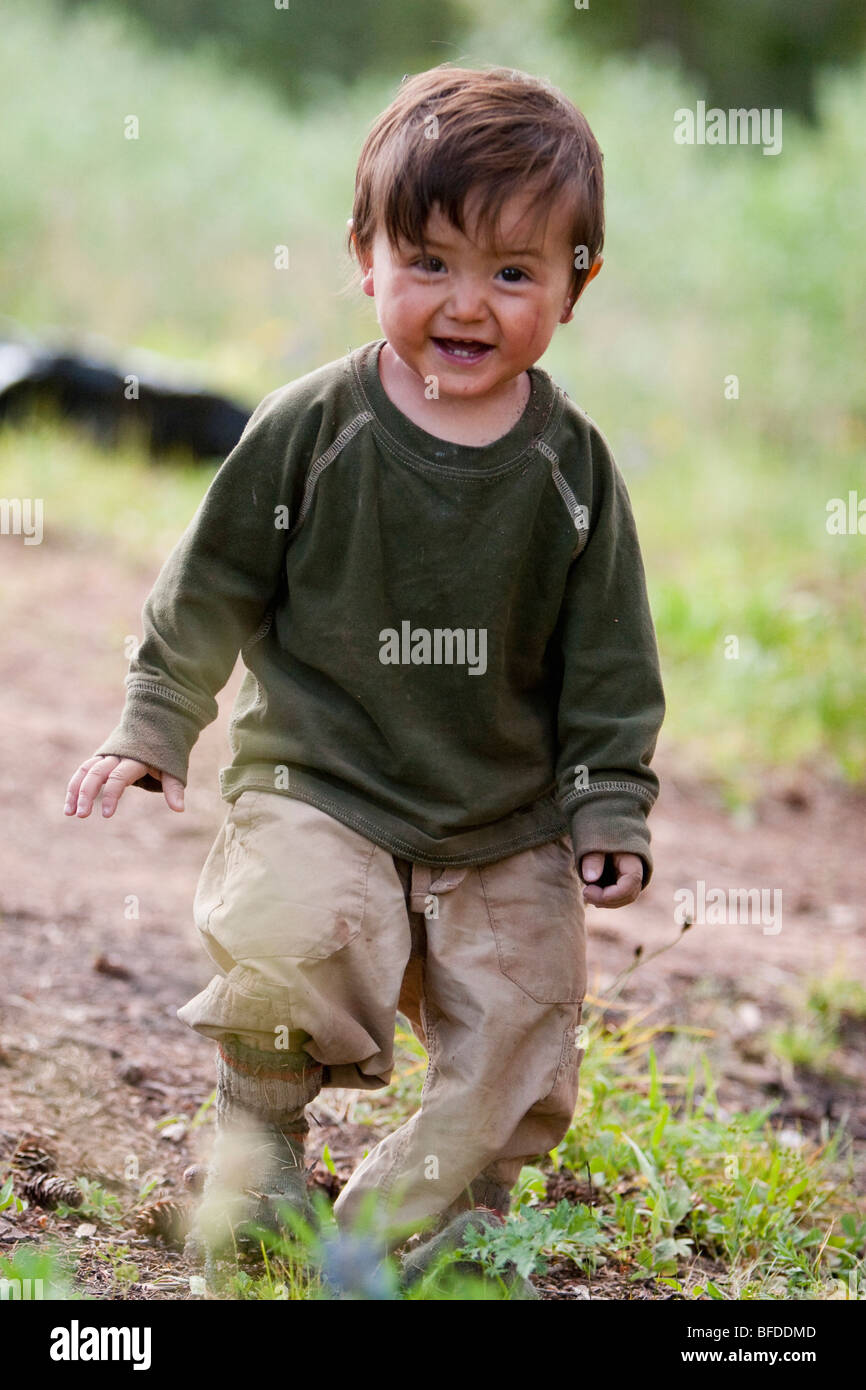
x: 317, y: 931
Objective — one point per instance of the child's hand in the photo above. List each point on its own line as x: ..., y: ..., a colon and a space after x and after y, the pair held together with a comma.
x: 114, y: 775
x: 624, y: 882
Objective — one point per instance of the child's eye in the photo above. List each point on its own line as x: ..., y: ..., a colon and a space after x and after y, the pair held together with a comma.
x: 510, y: 270
x: 431, y: 263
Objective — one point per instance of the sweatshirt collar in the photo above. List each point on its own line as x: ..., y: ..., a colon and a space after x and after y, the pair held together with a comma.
x: 411, y: 440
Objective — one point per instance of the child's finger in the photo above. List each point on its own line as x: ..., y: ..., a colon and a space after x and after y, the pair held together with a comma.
x: 75, y: 783
x: 117, y: 782
x: 592, y: 866
x: 625, y: 890
x: 173, y: 791
x: 91, y: 783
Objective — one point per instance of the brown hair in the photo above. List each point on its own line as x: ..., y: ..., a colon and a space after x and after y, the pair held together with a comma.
x: 498, y: 132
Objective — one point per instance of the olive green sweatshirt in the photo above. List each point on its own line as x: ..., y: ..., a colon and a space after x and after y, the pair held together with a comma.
x: 448, y: 647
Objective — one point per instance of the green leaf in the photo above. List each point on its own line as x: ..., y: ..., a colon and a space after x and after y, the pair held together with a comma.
x: 654, y: 1090
x: 198, y: 1117
x: 643, y: 1162
x: 531, y: 1187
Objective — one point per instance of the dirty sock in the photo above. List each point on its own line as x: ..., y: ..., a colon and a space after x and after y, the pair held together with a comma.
x: 271, y: 1086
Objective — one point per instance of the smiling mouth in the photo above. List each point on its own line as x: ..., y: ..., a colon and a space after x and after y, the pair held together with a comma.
x: 463, y: 349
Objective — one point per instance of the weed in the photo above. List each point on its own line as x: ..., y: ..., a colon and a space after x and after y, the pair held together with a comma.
x: 124, y: 1271
x: 99, y: 1204
x: 49, y: 1270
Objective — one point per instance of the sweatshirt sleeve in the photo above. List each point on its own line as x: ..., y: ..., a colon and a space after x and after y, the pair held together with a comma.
x: 611, y: 703
x: 209, y: 600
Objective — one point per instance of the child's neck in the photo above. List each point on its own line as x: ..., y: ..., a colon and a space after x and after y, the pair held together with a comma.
x: 459, y: 420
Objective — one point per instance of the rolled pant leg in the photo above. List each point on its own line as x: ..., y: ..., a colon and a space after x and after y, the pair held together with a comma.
x: 306, y: 922
x: 504, y: 977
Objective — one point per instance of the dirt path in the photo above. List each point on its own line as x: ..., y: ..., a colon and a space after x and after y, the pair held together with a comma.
x: 94, y: 1061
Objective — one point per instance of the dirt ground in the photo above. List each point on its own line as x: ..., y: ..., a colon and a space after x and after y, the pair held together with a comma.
x: 92, y: 1056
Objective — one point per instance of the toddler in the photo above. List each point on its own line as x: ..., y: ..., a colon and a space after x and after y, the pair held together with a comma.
x: 426, y: 557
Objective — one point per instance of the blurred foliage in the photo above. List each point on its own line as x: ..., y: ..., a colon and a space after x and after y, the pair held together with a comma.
x: 742, y: 52
x: 747, y: 52
x: 301, y: 47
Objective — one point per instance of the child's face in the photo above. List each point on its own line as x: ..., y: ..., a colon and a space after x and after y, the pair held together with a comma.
x: 506, y: 306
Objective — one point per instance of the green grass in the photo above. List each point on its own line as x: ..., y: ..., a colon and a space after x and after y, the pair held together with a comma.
x: 686, y: 1195
x: 821, y: 1011
x: 48, y: 1266
x: 89, y: 497
x: 677, y: 1177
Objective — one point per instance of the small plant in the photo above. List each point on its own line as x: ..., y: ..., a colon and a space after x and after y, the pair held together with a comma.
x: 46, y: 1273
x: 810, y: 1045
x: 123, y: 1271
x: 569, y: 1230
x: 508, y: 1253
x: 676, y: 1176
x: 148, y: 1183
x: 202, y: 1113
x: 8, y: 1200
x: 328, y: 1162
x: 97, y: 1203
x: 529, y: 1190
x: 821, y: 1008
x: 836, y: 996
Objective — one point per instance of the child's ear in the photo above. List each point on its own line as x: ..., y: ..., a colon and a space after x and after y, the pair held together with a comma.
x: 367, y: 281
x: 365, y: 263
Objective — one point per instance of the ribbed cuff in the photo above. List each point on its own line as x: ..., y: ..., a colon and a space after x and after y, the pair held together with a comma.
x: 154, y: 732
x: 611, y: 822
x: 271, y: 1086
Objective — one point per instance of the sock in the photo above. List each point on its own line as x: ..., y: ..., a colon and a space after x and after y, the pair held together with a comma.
x: 258, y: 1158
x: 273, y: 1087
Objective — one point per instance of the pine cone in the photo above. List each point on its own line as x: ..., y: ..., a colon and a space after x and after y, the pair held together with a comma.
x: 49, y: 1192
x: 166, y: 1218
x: 31, y: 1155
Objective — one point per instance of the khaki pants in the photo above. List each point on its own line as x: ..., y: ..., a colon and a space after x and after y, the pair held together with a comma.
x: 315, y: 928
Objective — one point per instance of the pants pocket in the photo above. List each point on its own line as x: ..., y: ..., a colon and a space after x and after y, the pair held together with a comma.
x: 535, y: 906
x: 294, y: 882
x: 218, y: 870
x: 556, y: 1109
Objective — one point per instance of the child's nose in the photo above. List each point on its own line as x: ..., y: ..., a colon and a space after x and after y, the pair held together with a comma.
x: 466, y: 300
